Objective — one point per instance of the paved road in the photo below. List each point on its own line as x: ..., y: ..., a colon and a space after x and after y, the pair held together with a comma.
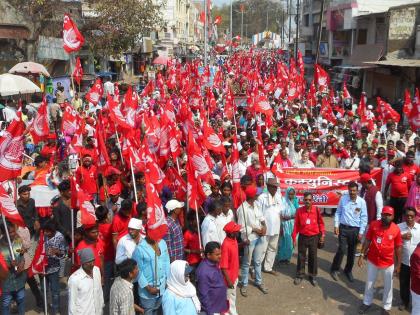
x: 329, y: 298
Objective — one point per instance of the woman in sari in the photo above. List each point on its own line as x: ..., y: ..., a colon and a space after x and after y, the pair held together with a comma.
x: 413, y: 199
x: 285, y: 250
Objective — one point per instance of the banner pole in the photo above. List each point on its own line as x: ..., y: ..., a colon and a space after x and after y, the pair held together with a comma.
x: 198, y: 225
x: 12, y: 254
x: 45, y: 292
x: 134, y: 180
x: 72, y: 234
x: 119, y: 144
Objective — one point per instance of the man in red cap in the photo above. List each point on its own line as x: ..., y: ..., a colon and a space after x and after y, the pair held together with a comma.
x: 251, y: 218
x: 383, y: 241
x: 49, y: 150
x: 114, y: 200
x: 229, y: 263
x: 372, y: 196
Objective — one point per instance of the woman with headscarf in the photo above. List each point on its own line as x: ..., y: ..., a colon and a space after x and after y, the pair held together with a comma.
x: 180, y: 298
x: 285, y: 250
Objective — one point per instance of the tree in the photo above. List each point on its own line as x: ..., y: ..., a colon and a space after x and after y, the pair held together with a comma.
x: 118, y: 25
x: 255, y: 16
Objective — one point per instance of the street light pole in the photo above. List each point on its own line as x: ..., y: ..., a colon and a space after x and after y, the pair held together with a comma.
x: 297, y: 27
x: 231, y: 23
x: 242, y: 24
x: 319, y: 32
x: 289, y: 12
x: 205, y: 33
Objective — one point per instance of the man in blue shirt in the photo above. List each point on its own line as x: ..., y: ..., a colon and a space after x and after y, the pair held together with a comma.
x: 349, y: 224
x: 153, y: 261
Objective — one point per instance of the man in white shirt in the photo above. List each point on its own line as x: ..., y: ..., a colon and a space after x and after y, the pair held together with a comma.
x: 85, y: 288
x: 271, y: 204
x: 410, y: 232
x: 253, y: 230
x: 108, y: 88
x: 210, y: 232
x: 243, y: 162
x: 225, y: 216
x: 127, y: 244
x: 391, y: 133
x: 9, y: 112
x: 352, y: 162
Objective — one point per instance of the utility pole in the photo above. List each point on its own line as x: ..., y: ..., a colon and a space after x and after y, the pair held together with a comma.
x: 242, y: 21
x: 231, y: 22
x: 297, y: 28
x: 205, y: 33
x: 266, y: 22
x: 319, y: 32
x: 289, y: 12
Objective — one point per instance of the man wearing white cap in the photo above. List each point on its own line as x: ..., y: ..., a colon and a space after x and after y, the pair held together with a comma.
x: 127, y: 244
x: 174, y: 238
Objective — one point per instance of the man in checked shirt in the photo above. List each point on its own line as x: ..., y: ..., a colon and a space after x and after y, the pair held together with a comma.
x: 174, y: 238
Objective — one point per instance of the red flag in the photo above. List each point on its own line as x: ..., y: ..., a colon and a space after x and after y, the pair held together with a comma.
x: 386, y: 110
x: 156, y: 221
x: 301, y: 64
x: 103, y: 158
x: 70, y: 118
x: 346, y: 93
x: 414, y: 116
x: 408, y: 105
x: 198, y: 160
x: 131, y: 102
x: 39, y: 127
x: 8, y: 208
x: 87, y: 210
x: 148, y: 89
x: 95, y: 93
x: 195, y: 193
x: 217, y: 20
x: 116, y: 115
x: 277, y: 167
x: 211, y: 140
x: 321, y: 78
x: 11, y: 150
x: 73, y: 39
x: 175, y: 183
x: 40, y: 260
x: 78, y: 71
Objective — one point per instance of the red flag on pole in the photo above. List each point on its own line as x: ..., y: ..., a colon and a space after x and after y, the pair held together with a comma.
x: 95, y: 93
x: 211, y: 140
x: 78, y: 71
x: 39, y: 127
x: 8, y: 208
x: 11, y: 150
x: 73, y: 39
x: 386, y: 110
x: 87, y: 210
x: 40, y: 260
x: 414, y: 116
x: 408, y: 105
x: 156, y: 220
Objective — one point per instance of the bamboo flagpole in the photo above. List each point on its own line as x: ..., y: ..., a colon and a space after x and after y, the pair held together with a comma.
x: 198, y: 225
x: 134, y: 180
x: 45, y: 288
x: 9, y: 242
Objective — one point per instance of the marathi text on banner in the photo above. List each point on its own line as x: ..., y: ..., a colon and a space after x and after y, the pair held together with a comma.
x: 324, y: 183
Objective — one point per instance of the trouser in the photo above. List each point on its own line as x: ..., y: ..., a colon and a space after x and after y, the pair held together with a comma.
x: 136, y: 293
x: 151, y: 306
x: 33, y: 285
x: 18, y: 296
x: 372, y: 274
x: 415, y: 301
x: 398, y: 205
x: 347, y: 237
x: 309, y: 243
x: 254, y: 252
x: 405, y: 284
x: 231, y: 296
x: 53, y: 284
x: 271, y: 251
x: 108, y: 278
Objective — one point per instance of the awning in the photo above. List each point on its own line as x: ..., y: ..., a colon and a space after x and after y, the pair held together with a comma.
x: 397, y: 63
x: 366, y: 53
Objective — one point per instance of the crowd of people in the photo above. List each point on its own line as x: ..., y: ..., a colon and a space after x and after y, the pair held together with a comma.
x: 186, y: 149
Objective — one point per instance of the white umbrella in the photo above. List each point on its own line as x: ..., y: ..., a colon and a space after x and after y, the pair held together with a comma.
x: 29, y: 67
x: 11, y: 84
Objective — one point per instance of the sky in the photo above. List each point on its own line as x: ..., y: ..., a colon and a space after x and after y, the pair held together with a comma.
x: 219, y: 2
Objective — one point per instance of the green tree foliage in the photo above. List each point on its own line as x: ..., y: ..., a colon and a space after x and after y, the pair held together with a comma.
x: 118, y: 25
x: 255, y: 15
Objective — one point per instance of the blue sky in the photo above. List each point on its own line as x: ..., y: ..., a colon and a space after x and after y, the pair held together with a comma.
x: 219, y: 2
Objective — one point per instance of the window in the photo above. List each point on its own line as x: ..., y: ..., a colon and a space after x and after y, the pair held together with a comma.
x: 362, y: 37
x: 306, y: 20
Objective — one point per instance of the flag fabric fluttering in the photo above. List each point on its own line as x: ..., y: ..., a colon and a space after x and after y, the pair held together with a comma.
x: 78, y: 71
x: 11, y: 150
x: 40, y: 260
x: 39, y: 128
x: 72, y: 38
x: 8, y: 208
